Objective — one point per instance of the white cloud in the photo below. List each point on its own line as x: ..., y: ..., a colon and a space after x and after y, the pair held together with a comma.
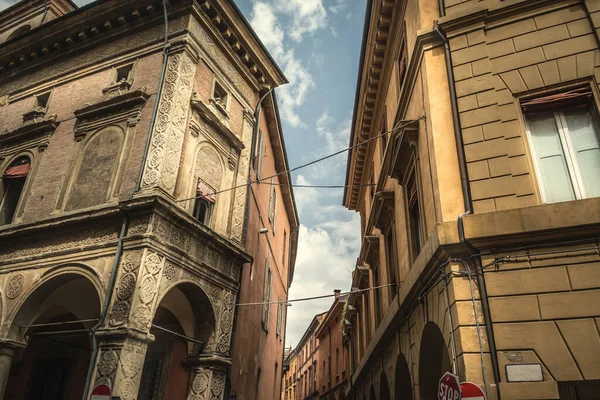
x: 338, y: 7
x: 307, y: 16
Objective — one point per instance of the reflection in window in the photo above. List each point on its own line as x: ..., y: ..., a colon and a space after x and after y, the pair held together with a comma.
x: 13, y: 181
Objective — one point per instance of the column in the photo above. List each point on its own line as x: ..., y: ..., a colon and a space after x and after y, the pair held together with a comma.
x: 7, y: 352
x: 207, y: 377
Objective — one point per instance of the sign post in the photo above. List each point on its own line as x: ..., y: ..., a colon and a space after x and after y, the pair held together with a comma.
x: 101, y: 392
x: 471, y: 391
x: 449, y: 387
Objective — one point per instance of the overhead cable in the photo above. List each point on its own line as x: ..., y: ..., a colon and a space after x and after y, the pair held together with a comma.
x: 401, y: 125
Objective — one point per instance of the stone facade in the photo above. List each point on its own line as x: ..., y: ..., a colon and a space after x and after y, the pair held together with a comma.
x: 108, y: 268
x: 481, y: 271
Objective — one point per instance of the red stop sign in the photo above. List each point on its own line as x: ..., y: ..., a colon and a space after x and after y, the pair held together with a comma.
x: 101, y: 392
x: 471, y: 391
x: 449, y: 387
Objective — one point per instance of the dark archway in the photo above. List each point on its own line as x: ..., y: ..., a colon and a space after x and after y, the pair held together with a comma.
x: 372, y: 395
x: 402, y: 383
x: 384, y: 388
x: 433, y: 361
x: 186, y: 310
x: 54, y: 321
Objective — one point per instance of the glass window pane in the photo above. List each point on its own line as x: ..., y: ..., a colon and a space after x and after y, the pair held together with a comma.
x: 586, y: 147
x: 553, y: 174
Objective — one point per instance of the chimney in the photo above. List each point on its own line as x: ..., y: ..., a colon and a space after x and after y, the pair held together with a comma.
x: 337, y: 293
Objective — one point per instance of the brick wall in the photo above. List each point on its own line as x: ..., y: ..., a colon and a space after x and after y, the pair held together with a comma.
x: 530, y: 51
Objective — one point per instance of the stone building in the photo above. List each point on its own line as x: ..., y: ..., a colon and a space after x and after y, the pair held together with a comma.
x: 300, y: 376
x: 477, y: 187
x: 332, y: 378
x: 126, y: 226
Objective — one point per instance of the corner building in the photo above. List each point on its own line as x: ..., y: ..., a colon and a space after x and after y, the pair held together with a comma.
x: 478, y: 192
x: 125, y: 219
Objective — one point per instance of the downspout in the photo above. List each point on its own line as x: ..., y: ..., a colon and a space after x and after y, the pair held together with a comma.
x: 468, y: 204
x: 125, y: 223
x: 107, y: 300
x: 255, y: 129
x: 158, y: 97
x: 45, y: 12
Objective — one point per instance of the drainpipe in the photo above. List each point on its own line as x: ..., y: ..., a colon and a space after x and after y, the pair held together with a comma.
x: 468, y: 203
x: 107, y: 300
x: 163, y: 71
x: 255, y: 129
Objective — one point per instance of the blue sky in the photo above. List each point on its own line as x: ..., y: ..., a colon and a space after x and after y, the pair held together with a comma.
x: 317, y: 44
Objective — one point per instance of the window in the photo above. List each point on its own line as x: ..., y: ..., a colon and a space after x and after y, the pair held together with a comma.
x: 402, y: 64
x: 273, y: 205
x: 390, y: 250
x: 11, y: 188
x: 284, y: 248
x: 205, y: 200
x: 279, y: 316
x: 124, y: 73
x: 565, y: 147
x: 337, y: 361
x: 220, y: 95
x: 267, y: 296
x: 377, y: 295
x: 41, y: 100
x: 259, y: 153
x: 414, y: 217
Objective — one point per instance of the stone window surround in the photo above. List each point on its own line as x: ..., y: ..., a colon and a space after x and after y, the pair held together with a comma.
x: 595, y: 102
x: 121, y: 112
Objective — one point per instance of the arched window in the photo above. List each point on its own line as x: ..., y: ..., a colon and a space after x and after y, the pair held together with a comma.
x: 209, y: 174
x: 19, y: 31
x: 13, y: 181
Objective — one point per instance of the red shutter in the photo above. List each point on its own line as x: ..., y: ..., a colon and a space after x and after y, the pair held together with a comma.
x: 17, y: 171
x: 205, y: 191
x: 412, y: 197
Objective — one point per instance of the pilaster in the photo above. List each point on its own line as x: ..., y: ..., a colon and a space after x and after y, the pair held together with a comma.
x: 207, y: 377
x: 162, y: 165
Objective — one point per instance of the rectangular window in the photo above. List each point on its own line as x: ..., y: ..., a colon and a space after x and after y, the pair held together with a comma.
x: 402, y: 64
x: 273, y: 204
x: 259, y: 153
x: 414, y: 217
x: 42, y: 100
x: 267, y: 296
x: 565, y: 147
x: 220, y: 95
x: 205, y: 200
x: 279, y: 316
x: 377, y: 295
x: 390, y: 249
x: 284, y: 248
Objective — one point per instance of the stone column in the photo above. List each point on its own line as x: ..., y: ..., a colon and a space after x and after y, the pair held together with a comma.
x: 120, y: 362
x: 162, y: 165
x: 207, y: 377
x: 7, y: 352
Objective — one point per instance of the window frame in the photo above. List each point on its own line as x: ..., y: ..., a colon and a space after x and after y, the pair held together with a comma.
x: 267, y: 291
x: 20, y: 206
x: 413, y: 175
x: 222, y: 105
x: 567, y: 147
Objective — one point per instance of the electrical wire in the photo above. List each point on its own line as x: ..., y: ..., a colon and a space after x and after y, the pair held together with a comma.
x: 316, y: 297
x: 308, y: 164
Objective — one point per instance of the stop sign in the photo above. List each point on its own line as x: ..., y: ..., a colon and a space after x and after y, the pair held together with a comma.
x: 471, y: 391
x: 449, y: 387
x: 101, y: 392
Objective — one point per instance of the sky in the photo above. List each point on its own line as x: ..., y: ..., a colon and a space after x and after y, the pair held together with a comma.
x: 317, y: 45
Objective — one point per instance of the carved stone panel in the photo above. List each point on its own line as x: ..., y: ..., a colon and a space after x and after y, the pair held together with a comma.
x: 239, y: 202
x: 167, y: 138
x: 206, y: 384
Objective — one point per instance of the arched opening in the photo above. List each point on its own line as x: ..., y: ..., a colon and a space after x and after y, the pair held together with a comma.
x: 402, y: 383
x: 11, y: 188
x: 384, y: 388
x: 372, y: 395
x: 433, y: 361
x: 187, y: 311
x: 54, y: 321
x: 19, y: 31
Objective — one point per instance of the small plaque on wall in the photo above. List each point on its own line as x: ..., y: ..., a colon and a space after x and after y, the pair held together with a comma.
x: 524, y: 373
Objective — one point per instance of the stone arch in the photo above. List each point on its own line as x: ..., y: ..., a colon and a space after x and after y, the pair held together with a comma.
x: 93, y: 181
x: 434, y: 361
x: 186, y: 310
x: 25, y: 310
x: 53, y: 319
x: 384, y: 387
x: 402, y: 381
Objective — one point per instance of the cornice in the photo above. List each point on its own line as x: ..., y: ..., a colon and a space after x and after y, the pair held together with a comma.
x: 207, y: 115
x: 30, y: 131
